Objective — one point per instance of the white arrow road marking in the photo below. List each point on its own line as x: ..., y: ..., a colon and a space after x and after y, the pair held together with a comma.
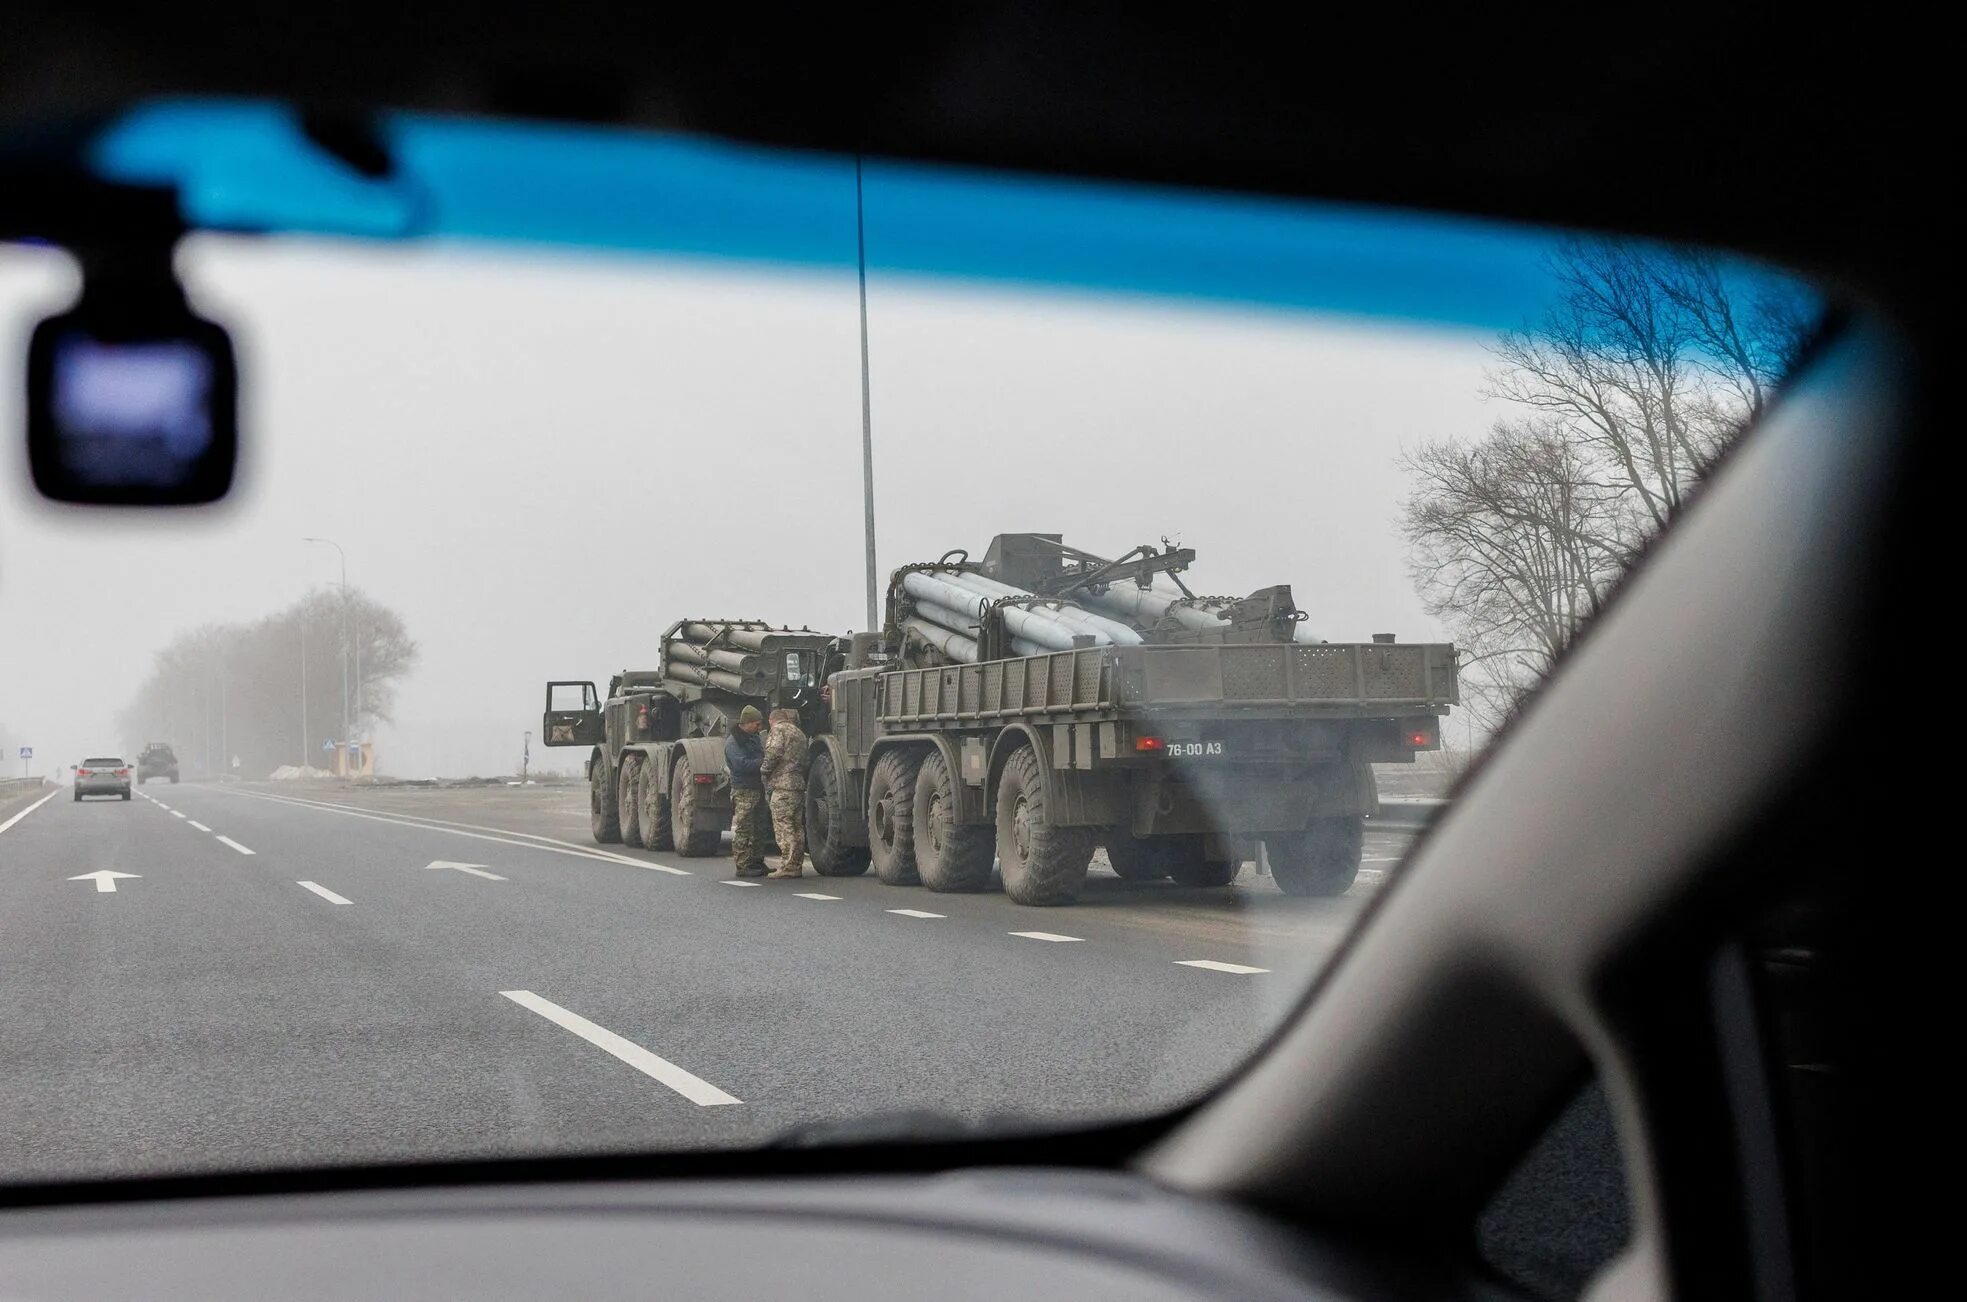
x: 475, y: 869
x: 1214, y: 966
x: 694, y: 1088
x: 235, y: 845
x: 325, y: 893
x: 917, y: 913
x: 104, y: 879
x: 30, y: 809
x: 1045, y: 935
x: 814, y: 895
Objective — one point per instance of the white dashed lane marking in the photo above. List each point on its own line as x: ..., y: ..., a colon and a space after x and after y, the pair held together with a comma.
x: 694, y: 1088
x: 917, y: 913
x: 325, y: 893
x: 1213, y: 966
x: 235, y: 845
x: 200, y: 826
x: 1045, y: 935
x: 731, y: 881
x: 814, y: 895
x: 177, y: 813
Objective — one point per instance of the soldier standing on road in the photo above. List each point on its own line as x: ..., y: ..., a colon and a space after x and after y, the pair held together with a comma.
x: 784, y: 770
x: 744, y: 753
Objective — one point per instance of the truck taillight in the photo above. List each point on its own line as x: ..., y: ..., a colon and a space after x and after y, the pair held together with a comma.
x: 1423, y: 737
x: 1149, y: 744
x: 703, y: 779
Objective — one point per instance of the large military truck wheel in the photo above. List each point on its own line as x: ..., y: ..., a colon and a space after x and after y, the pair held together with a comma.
x: 1042, y: 863
x: 603, y: 813
x: 689, y: 839
x: 1140, y: 858
x: 652, y: 794
x: 626, y: 786
x: 1322, y: 860
x: 831, y: 856
x: 174, y: 779
x: 891, y: 817
x: 825, y: 823
x: 949, y: 856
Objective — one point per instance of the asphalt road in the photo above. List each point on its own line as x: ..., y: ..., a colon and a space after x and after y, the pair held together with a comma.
x: 286, y: 980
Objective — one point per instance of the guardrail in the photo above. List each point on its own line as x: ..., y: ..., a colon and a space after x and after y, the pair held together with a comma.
x: 11, y: 787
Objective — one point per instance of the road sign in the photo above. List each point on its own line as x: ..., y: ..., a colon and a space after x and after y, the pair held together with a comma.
x: 327, y: 745
x: 27, y: 752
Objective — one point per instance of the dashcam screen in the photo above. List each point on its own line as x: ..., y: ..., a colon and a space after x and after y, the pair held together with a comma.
x: 131, y: 414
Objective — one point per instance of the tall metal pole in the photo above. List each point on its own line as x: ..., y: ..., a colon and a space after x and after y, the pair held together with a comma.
x: 867, y: 408
x: 304, y: 733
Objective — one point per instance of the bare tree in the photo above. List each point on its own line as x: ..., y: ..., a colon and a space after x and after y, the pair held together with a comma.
x: 246, y: 688
x: 1646, y: 366
x: 1516, y: 538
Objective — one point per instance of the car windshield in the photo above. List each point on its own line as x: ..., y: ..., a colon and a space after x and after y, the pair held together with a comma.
x: 101, y: 761
x: 709, y: 647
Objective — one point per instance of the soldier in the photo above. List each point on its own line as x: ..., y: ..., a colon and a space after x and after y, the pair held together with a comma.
x: 784, y: 771
x: 744, y: 752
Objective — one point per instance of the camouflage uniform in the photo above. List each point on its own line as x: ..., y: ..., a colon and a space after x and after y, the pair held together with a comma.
x: 784, y: 771
x: 747, y: 827
x: 743, y: 760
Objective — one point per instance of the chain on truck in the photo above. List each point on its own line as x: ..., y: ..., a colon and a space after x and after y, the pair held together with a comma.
x: 1015, y: 714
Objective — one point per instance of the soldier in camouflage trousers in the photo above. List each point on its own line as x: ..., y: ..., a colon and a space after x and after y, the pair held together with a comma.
x: 743, y: 759
x: 784, y: 771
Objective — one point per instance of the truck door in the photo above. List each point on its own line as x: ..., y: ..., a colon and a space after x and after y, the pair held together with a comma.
x: 573, y: 715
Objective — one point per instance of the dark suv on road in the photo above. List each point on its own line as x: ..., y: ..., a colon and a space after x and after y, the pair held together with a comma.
x: 156, y: 761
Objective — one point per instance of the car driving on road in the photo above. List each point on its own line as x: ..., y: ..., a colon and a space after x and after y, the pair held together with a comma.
x: 157, y: 760
x: 105, y: 775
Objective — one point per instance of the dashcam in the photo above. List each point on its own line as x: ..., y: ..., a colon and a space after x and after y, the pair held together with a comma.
x: 132, y: 400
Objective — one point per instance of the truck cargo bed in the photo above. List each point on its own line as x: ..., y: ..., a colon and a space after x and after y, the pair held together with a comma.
x: 1328, y: 680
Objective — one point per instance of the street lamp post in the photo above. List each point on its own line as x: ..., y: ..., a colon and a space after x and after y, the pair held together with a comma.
x: 347, y: 642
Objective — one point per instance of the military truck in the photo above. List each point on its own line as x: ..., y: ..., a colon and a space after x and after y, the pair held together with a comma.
x: 1015, y: 714
x: 656, y: 775
x: 156, y: 760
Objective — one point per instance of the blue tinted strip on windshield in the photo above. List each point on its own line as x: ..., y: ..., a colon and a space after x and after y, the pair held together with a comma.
x: 248, y: 167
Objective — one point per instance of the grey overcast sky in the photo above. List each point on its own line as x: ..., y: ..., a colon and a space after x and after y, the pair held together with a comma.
x: 541, y: 461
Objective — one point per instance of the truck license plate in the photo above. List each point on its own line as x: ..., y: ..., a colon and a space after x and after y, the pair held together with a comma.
x: 1195, y: 749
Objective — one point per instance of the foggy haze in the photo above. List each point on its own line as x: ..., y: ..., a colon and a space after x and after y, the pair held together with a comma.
x: 540, y: 462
